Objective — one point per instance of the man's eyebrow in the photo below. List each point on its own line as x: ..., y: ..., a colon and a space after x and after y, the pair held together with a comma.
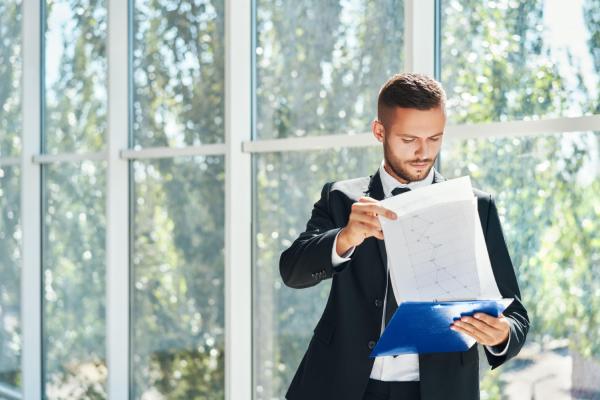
x: 415, y: 137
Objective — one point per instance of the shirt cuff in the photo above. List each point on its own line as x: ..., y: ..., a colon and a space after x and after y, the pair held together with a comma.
x: 503, y: 352
x: 335, y: 258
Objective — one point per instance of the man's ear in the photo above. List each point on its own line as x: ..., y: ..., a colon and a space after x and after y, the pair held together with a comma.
x: 378, y: 130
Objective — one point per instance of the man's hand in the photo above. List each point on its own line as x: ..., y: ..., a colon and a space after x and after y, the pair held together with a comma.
x: 362, y: 223
x: 484, y: 328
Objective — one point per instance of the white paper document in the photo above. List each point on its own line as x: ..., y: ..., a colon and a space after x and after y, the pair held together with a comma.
x: 436, y: 249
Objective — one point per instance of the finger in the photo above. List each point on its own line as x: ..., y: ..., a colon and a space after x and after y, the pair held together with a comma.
x: 488, y: 330
x: 469, y: 333
x: 366, y: 218
x: 473, y: 331
x: 367, y: 199
x: 371, y: 206
x: 482, y: 326
x: 372, y: 222
x: 378, y: 235
x: 376, y: 209
x: 474, y: 335
x: 490, y: 320
x: 368, y: 231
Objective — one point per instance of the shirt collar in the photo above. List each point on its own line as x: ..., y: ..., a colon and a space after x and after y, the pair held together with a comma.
x: 389, y: 183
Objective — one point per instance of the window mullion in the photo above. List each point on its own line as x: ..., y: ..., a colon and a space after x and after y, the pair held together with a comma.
x: 117, y: 203
x: 238, y: 208
x: 31, y: 197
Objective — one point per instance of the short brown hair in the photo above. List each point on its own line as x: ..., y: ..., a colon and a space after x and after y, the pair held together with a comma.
x: 410, y: 90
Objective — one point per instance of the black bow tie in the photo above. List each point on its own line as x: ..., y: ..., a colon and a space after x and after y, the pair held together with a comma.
x: 400, y: 190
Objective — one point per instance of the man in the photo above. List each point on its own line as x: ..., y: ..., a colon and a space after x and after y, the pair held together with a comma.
x: 344, y: 241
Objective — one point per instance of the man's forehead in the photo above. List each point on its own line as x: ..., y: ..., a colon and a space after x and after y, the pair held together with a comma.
x: 412, y: 116
x: 421, y: 127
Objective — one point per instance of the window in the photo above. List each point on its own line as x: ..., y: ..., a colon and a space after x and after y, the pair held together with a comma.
x: 10, y: 199
x: 506, y: 60
x: 178, y: 73
x: 74, y: 272
x: 177, y: 204
x: 319, y: 65
x: 10, y: 267
x: 73, y: 205
x: 75, y: 76
x: 177, y: 316
x: 10, y: 73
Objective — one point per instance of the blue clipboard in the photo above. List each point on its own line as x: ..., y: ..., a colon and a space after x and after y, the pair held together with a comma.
x: 424, y: 327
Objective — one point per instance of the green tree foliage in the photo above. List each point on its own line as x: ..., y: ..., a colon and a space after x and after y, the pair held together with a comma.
x: 10, y: 71
x: 73, y: 208
x: 10, y: 259
x: 75, y: 95
x: 74, y: 280
x: 10, y: 232
x: 178, y: 212
x: 179, y: 72
x: 591, y: 14
x: 177, y: 254
x: 178, y: 278
x: 321, y: 73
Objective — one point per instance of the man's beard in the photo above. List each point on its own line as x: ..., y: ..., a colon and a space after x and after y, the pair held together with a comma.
x: 403, y: 173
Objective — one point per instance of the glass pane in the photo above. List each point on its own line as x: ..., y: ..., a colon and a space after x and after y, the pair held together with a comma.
x: 10, y: 277
x: 73, y: 248
x: 286, y: 186
x: 75, y: 75
x: 319, y: 65
x: 178, y: 72
x: 547, y: 190
x: 178, y: 341
x: 10, y: 77
x: 507, y: 59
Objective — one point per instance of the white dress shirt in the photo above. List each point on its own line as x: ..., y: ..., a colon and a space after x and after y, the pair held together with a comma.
x: 404, y: 367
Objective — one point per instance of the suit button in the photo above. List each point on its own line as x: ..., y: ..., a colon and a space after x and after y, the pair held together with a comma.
x: 378, y: 303
x: 371, y: 344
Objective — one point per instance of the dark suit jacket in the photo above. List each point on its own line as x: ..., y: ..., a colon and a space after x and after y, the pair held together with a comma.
x: 336, y: 364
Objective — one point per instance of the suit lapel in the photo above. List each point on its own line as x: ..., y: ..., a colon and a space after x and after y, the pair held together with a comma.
x: 375, y: 191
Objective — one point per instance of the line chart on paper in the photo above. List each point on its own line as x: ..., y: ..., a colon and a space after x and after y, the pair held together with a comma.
x: 436, y: 248
x: 438, y: 254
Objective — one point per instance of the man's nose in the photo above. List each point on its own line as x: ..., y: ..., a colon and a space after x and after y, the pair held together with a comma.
x: 422, y: 150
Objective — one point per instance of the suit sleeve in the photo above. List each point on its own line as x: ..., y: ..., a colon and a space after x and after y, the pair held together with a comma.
x: 508, y: 286
x: 308, y: 260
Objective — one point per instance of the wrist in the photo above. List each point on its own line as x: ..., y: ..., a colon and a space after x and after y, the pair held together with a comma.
x: 503, y: 341
x: 343, y: 243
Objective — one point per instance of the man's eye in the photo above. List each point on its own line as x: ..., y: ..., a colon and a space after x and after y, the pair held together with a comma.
x: 435, y: 139
x: 408, y: 140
